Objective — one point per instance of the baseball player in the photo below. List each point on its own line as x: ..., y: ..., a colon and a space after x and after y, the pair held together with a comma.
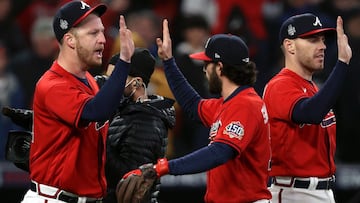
x: 141, y: 121
x: 302, y: 122
x: 67, y: 153
x: 237, y: 157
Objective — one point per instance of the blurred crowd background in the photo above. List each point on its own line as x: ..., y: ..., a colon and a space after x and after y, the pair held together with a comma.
x: 28, y: 48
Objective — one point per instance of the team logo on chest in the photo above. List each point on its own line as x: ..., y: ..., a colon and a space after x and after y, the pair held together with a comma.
x: 234, y: 130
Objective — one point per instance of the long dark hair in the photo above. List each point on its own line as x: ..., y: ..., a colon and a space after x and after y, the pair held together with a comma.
x: 241, y: 74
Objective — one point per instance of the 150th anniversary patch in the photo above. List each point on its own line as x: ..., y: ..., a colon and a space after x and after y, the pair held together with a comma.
x: 235, y: 130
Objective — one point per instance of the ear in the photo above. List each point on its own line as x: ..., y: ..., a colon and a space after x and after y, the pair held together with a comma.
x: 289, y: 46
x: 219, y: 68
x: 69, y: 40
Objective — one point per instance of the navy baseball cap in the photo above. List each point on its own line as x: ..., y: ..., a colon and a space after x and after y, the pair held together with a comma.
x: 226, y: 48
x: 302, y: 25
x: 73, y: 13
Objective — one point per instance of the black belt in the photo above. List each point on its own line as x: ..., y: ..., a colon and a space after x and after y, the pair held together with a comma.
x: 304, y: 184
x: 322, y: 185
x: 63, y: 196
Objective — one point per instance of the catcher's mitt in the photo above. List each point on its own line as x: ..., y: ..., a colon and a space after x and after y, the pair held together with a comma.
x: 137, y: 186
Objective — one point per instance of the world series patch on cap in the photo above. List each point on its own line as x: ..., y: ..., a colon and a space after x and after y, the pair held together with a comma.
x: 229, y: 49
x: 302, y: 25
x: 72, y: 14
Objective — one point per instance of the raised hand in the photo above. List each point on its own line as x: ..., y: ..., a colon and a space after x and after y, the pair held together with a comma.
x: 344, y: 49
x: 164, y: 45
x: 127, y: 46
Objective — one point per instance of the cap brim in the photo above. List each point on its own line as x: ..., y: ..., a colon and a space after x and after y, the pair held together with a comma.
x: 313, y: 32
x: 98, y: 9
x: 200, y: 56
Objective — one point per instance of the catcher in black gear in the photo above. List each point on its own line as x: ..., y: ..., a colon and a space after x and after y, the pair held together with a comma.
x: 138, y: 132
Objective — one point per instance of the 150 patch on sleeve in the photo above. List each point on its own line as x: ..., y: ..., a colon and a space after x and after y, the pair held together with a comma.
x: 235, y: 130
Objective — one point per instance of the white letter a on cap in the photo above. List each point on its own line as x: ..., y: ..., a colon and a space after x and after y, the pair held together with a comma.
x: 84, y: 5
x: 317, y: 22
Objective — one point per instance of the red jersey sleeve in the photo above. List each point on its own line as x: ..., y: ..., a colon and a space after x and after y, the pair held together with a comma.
x: 206, y: 110
x: 234, y: 122
x: 281, y: 96
x: 70, y: 106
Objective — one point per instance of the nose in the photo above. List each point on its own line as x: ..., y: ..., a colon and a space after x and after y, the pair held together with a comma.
x: 102, y: 38
x: 322, y: 43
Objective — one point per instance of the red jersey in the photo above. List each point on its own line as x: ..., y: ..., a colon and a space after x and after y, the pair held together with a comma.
x: 64, y: 153
x: 241, y: 122
x: 298, y: 150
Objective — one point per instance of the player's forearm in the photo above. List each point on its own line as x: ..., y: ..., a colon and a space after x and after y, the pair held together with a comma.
x: 109, y: 96
x: 314, y: 109
x: 184, y: 93
x: 202, y: 160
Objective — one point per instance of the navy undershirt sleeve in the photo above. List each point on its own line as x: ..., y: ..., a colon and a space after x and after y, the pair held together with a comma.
x: 184, y: 93
x: 202, y: 160
x: 313, y: 110
x: 105, y: 102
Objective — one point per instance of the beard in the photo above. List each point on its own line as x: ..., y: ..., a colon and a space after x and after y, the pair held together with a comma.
x: 86, y: 56
x: 215, y: 84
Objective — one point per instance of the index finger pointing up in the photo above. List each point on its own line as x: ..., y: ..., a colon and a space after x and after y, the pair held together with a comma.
x: 339, y: 26
x: 166, y: 34
x: 122, y: 23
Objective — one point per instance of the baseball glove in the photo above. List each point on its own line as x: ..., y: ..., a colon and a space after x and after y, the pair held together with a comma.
x: 137, y: 185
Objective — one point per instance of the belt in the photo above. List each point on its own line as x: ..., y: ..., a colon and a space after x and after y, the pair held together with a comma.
x: 305, y: 183
x: 62, y: 195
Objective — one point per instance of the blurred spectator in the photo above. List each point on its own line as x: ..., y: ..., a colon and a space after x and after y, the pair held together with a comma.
x: 348, y: 106
x: 341, y: 7
x: 238, y: 24
x: 10, y: 34
x: 30, y: 64
x: 147, y: 25
x: 195, y: 31
x: 166, y: 9
x: 239, y: 18
x: 252, y: 13
x: 35, y: 10
x: 220, y: 15
x: 10, y: 95
x: 206, y: 8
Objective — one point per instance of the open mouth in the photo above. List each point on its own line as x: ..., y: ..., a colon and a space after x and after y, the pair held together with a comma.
x: 99, y: 52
